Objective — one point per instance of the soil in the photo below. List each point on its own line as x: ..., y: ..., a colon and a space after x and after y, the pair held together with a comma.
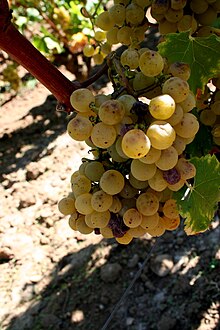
x: 54, y: 278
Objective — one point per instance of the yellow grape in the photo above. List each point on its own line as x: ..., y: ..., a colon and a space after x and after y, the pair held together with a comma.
x: 168, y: 159
x: 166, y: 27
x: 160, y: 7
x: 130, y: 58
x: 66, y: 206
x: 112, y: 36
x: 82, y: 227
x: 112, y: 182
x: 83, y: 203
x: 158, y: 182
x: 117, y: 14
x: 81, y: 185
x: 101, y: 98
x: 151, y: 157
x: 94, y: 170
x: 100, y: 219
x: 101, y: 201
x: 178, y: 4
x: 179, y: 144
x: 199, y: 7
x: 100, y: 35
x: 147, y: 203
x: 186, y: 23
x: 79, y: 128
x: 176, y: 116
x: 186, y: 169
x: 151, y: 63
x: 177, y: 186
x: 162, y: 107
x: 132, y: 218
x: 72, y: 221
x: 142, y: 171
x: 170, y: 209
x: 137, y: 183
x: 112, y: 150
x: 88, y: 50
x: 150, y: 221
x: 104, y: 21
x: 125, y: 239
x: 128, y: 191
x: 157, y: 231
x: 161, y: 134
x: 116, y: 205
x: 81, y: 99
x: 127, y: 203
x: 125, y: 35
x: 207, y: 117
x: 141, y: 82
x: 134, y: 14
x: 98, y: 59
x: 137, y: 231
x: 189, y: 103
x: 135, y: 143
x: 177, y: 88
x: 188, y: 126
x: 127, y: 101
x: 103, y: 135
x: 215, y: 107
x: 171, y: 223
x: 106, y: 232
x: 173, y: 16
x: 180, y: 69
x: 111, y: 112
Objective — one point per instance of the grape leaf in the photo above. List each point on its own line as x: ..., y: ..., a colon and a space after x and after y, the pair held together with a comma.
x: 201, y: 53
x: 199, y: 206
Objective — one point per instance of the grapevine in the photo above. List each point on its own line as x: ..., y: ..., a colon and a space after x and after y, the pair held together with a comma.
x: 154, y: 139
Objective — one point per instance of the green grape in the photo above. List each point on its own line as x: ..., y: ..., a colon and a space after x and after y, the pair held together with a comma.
x: 81, y: 99
x: 130, y: 58
x: 104, y: 21
x: 66, y: 206
x: 137, y: 183
x: 139, y: 33
x: 137, y: 231
x: 173, y: 16
x: 151, y: 63
x: 88, y: 50
x: 135, y: 143
x: 88, y: 220
x: 188, y: 126
x: 208, y: 17
x: 189, y: 103
x: 112, y: 182
x: 112, y: 36
x: 160, y: 6
x: 121, y: 2
x: 80, y: 185
x: 101, y: 98
x: 162, y: 107
x: 199, y: 7
x: 168, y: 159
x: 151, y: 157
x: 100, y: 35
x: 83, y: 167
x: 178, y: 4
x: 119, y: 148
x: 103, y: 135
x: 207, y: 117
x: 158, y: 183
x: 134, y: 14
x: 101, y: 201
x: 180, y: 69
x: 215, y: 107
x: 157, y: 231
x: 126, y: 204
x: 186, y: 23
x: 79, y: 128
x: 132, y: 218
x: 216, y: 5
x: 125, y: 239
x: 143, y: 3
x: 142, y: 171
x: 128, y: 191
x: 166, y: 27
x: 74, y: 176
x: 141, y: 81
x: 112, y: 150
x: 125, y: 35
x: 176, y: 116
x: 106, y: 232
x: 100, y: 219
x: 82, y: 227
x: 150, y: 221
x: 170, y: 209
x: 161, y: 134
x: 83, y: 203
x: 171, y: 224
x: 128, y: 102
x: 147, y: 203
x: 186, y: 169
x: 179, y: 144
x: 116, y: 205
x: 177, y: 88
x: 153, y: 92
x: 111, y: 112
x: 98, y: 59
x: 117, y: 14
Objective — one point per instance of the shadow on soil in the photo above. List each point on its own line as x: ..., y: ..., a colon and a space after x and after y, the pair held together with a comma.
x: 29, y: 143
x: 76, y: 296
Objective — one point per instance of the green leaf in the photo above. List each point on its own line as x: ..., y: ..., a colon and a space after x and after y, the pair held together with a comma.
x: 201, y: 53
x: 202, y: 143
x: 200, y: 204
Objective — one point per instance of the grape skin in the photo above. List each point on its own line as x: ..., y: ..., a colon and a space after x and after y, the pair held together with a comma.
x: 83, y: 203
x: 168, y: 159
x: 132, y: 218
x: 142, y: 171
x: 161, y: 134
x: 188, y: 127
x: 151, y: 63
x: 66, y: 206
x: 147, y: 203
x: 177, y: 88
x: 135, y: 143
x: 111, y: 112
x: 79, y: 128
x: 162, y: 107
x: 103, y: 135
x: 112, y: 182
x: 101, y: 201
x: 81, y: 99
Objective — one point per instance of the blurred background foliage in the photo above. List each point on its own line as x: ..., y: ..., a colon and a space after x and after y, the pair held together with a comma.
x: 57, y: 29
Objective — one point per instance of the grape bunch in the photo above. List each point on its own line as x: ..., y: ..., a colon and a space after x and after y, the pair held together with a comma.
x: 138, y: 144
x: 126, y: 22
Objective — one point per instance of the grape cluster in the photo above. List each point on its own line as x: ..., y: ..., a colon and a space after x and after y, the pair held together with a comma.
x: 138, y: 144
x: 208, y: 105
x: 125, y: 22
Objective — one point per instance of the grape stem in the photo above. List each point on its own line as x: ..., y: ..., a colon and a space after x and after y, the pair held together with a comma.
x: 24, y: 53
